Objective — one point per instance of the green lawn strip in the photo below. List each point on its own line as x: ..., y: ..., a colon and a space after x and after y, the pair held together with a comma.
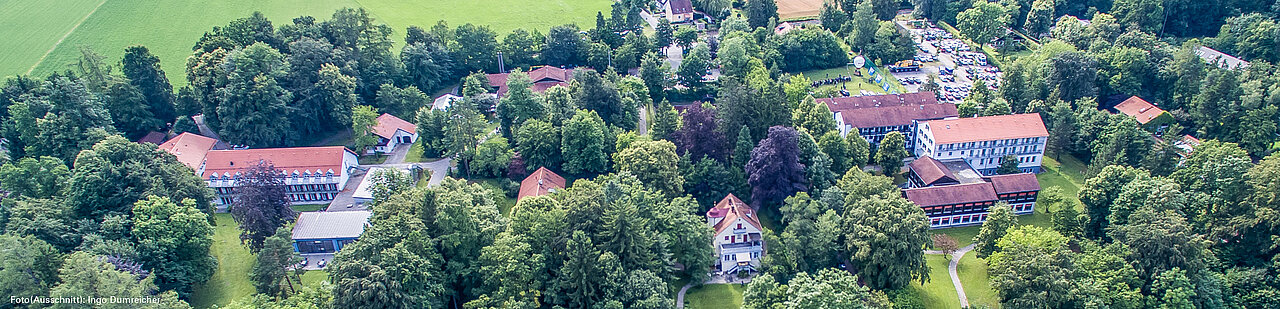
x: 499, y: 196
x: 977, y: 284
x: 715, y: 296
x: 231, y: 280
x: 372, y: 159
x: 415, y: 154
x: 938, y: 292
x: 309, y: 207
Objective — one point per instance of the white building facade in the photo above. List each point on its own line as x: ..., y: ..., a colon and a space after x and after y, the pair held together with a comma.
x: 983, y: 142
x: 312, y: 175
x: 738, y: 240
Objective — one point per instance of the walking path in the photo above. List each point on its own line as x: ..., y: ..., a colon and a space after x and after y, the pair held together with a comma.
x: 951, y: 270
x: 680, y: 296
x: 64, y: 37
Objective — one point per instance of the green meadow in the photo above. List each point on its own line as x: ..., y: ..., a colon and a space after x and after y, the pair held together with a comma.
x: 59, y: 28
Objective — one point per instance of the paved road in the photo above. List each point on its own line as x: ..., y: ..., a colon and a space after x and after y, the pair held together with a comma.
x: 951, y: 270
x: 397, y: 155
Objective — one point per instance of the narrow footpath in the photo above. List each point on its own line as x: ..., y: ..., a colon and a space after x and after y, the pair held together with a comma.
x: 951, y: 270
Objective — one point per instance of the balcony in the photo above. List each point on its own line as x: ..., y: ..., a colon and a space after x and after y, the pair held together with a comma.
x: 741, y: 245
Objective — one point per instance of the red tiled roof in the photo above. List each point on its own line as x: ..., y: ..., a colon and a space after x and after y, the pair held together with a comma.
x: 951, y: 195
x: 681, y: 6
x: 543, y: 78
x: 1014, y: 183
x: 388, y: 124
x: 988, y: 128
x: 542, y: 182
x: 731, y: 208
x: 890, y: 109
x: 931, y: 170
x: 288, y: 160
x: 1139, y: 109
x: 190, y: 148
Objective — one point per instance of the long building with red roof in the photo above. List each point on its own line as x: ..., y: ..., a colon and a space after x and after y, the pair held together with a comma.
x: 543, y: 78
x: 984, y: 142
x: 311, y: 174
x: 874, y: 116
x: 952, y: 194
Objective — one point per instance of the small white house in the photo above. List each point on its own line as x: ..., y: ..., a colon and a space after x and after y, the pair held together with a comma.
x: 738, y: 239
x: 391, y: 132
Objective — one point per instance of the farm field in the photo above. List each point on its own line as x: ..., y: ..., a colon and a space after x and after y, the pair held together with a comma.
x: 170, y: 27
x: 798, y: 9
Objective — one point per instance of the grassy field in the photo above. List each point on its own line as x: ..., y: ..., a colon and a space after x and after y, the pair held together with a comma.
x: 938, y: 292
x: 170, y: 27
x: 231, y: 280
x: 715, y: 296
x: 977, y: 286
x: 309, y: 207
x: 858, y: 83
x: 313, y: 278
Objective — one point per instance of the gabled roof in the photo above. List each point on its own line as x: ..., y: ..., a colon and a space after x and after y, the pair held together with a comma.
x: 680, y: 6
x: 951, y: 195
x: 1139, y: 109
x: 890, y: 109
x: 388, y: 124
x: 1220, y: 59
x: 331, y: 224
x: 731, y: 208
x: 152, y: 137
x: 931, y: 171
x: 310, y: 160
x: 542, y: 182
x: 987, y: 128
x: 190, y: 148
x: 543, y: 78
x: 1015, y: 183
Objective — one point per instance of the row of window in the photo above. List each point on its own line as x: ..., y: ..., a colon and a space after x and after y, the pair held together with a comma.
x: 997, y: 160
x: 885, y: 129
x: 291, y: 188
x: 964, y: 208
x: 295, y: 175
x: 734, y: 257
x: 736, y: 238
x: 957, y: 220
x: 311, y: 197
x: 984, y: 144
x: 1021, y: 208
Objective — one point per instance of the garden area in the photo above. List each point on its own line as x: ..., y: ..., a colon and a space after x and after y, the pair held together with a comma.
x: 715, y: 296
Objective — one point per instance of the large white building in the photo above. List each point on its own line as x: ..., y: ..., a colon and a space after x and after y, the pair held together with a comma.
x: 874, y: 116
x: 984, y: 141
x: 738, y: 239
x: 312, y: 174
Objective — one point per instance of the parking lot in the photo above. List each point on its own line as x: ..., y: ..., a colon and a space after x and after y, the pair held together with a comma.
x: 954, y: 63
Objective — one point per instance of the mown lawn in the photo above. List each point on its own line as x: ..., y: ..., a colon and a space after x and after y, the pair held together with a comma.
x: 170, y: 28
x: 715, y: 296
x: 313, y: 278
x: 231, y: 280
x: 309, y: 207
x: 977, y: 285
x: 372, y: 159
x: 938, y: 292
x: 858, y: 83
x: 415, y: 154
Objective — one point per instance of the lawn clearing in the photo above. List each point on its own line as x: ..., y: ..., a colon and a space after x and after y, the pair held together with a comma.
x: 170, y: 28
x: 308, y: 207
x: 938, y: 292
x: 977, y: 284
x: 963, y: 235
x: 415, y: 154
x: 857, y: 85
x: 231, y: 280
x: 715, y: 296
